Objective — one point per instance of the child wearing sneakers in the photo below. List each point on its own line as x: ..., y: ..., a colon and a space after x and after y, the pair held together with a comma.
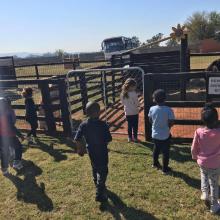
x: 31, y: 112
x: 161, y: 117
x: 206, y: 150
x: 97, y: 136
x: 129, y: 98
x: 14, y: 141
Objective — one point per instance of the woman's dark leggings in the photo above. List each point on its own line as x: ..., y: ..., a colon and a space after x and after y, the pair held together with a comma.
x: 132, y: 125
x: 33, y: 130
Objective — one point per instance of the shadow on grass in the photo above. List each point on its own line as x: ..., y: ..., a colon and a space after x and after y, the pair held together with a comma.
x: 127, y: 153
x: 195, y: 183
x: 120, y: 210
x: 180, y: 154
x: 57, y: 154
x: 28, y: 190
x: 177, y: 153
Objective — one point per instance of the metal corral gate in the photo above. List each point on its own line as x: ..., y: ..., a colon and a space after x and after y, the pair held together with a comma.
x: 103, y: 86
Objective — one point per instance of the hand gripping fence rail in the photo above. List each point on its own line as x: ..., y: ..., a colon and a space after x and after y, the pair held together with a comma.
x: 103, y: 86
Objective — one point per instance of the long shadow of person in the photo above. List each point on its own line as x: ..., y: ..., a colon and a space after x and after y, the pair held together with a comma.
x: 177, y: 153
x: 195, y: 183
x: 57, y: 154
x: 120, y: 210
x: 127, y: 153
x: 28, y: 189
x: 180, y: 154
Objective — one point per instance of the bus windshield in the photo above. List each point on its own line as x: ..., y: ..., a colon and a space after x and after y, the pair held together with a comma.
x: 113, y: 45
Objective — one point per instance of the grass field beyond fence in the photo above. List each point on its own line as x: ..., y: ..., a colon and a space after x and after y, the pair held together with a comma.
x: 200, y: 62
x: 57, y: 184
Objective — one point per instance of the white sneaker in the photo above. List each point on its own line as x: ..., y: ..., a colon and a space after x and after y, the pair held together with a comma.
x: 129, y: 140
x: 215, y: 208
x: 204, y: 196
x: 17, y: 165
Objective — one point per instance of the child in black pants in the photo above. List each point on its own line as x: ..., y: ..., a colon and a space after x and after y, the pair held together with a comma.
x: 97, y: 137
x: 161, y: 118
x: 31, y: 112
x: 129, y: 98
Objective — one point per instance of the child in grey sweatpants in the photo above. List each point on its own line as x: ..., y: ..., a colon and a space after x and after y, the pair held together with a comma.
x: 206, y: 150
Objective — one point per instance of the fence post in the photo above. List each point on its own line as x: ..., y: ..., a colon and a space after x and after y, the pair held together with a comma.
x: 37, y: 72
x: 184, y: 54
x: 49, y: 117
x: 148, y: 90
x: 65, y: 113
x: 113, y: 86
x: 208, y: 99
x: 83, y: 90
x: 105, y: 89
x: 75, y: 75
x: 182, y: 89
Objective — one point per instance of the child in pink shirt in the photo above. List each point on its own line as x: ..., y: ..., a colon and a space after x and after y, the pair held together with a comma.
x: 206, y: 150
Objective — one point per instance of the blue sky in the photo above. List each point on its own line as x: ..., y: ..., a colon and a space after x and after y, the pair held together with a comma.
x: 81, y: 25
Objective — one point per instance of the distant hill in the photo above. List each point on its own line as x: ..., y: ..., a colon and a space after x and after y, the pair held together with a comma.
x: 82, y: 55
x: 20, y: 54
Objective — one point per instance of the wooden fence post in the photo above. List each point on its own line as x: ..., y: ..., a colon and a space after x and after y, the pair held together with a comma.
x: 208, y: 98
x: 49, y: 117
x: 75, y: 75
x: 184, y: 55
x: 148, y: 91
x: 113, y: 86
x: 182, y: 89
x: 65, y: 112
x: 83, y: 90
x: 37, y: 72
x: 106, y: 89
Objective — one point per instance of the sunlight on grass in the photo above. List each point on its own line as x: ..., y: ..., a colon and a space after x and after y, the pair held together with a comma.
x: 57, y: 184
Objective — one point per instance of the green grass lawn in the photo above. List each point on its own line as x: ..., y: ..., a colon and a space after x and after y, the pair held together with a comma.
x: 57, y: 184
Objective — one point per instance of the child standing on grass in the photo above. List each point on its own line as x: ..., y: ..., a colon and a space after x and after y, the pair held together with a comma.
x: 8, y: 137
x: 31, y: 112
x: 206, y: 150
x: 97, y: 137
x: 161, y: 117
x: 129, y: 98
x: 14, y: 141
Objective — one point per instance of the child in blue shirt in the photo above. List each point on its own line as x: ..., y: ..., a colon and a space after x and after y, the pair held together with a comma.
x: 97, y: 136
x: 161, y: 118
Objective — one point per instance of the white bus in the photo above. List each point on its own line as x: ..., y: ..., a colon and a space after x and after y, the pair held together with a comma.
x: 116, y: 45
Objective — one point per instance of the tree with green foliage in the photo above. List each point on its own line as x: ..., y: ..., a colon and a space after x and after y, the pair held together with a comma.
x: 136, y: 42
x: 60, y: 53
x: 203, y: 25
x: 172, y: 43
x: 155, y: 38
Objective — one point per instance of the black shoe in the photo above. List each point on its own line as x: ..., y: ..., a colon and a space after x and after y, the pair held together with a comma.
x: 157, y: 166
x: 167, y: 170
